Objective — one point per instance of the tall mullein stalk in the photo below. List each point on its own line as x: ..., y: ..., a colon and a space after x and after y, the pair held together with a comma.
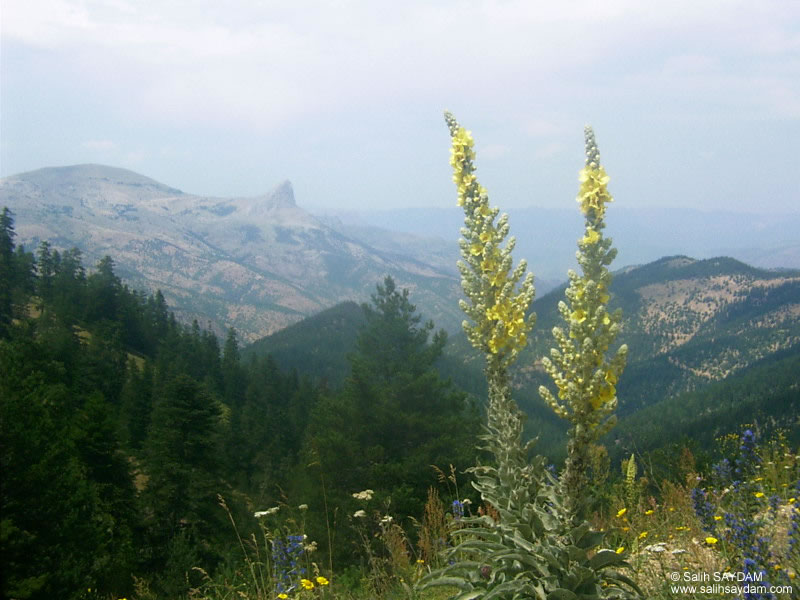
x: 523, y: 547
x: 584, y: 370
x: 497, y: 295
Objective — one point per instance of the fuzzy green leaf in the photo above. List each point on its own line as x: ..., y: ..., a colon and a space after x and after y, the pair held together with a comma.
x: 605, y: 558
x: 561, y: 594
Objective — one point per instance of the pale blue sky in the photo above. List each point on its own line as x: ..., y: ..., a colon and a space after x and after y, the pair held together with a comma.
x: 694, y: 103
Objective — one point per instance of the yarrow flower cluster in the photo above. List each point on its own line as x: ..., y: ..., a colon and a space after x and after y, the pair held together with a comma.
x: 500, y: 326
x: 366, y: 495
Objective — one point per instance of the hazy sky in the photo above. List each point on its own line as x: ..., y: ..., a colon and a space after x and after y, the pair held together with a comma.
x: 694, y: 103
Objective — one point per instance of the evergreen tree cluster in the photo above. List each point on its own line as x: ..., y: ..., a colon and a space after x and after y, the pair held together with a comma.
x: 120, y: 428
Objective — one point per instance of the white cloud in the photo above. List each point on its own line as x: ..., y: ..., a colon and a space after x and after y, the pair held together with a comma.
x: 263, y: 63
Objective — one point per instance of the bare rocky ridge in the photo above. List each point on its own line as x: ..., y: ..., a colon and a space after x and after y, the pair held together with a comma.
x: 257, y: 264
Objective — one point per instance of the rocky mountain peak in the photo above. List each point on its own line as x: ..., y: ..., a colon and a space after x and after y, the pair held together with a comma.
x: 282, y: 196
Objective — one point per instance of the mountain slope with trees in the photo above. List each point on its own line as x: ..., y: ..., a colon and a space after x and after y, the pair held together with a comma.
x: 256, y: 264
x: 688, y: 324
x: 121, y: 428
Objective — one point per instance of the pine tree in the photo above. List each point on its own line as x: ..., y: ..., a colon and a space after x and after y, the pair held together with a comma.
x: 7, y: 274
x: 110, y: 474
x: 181, y: 460
x: 50, y: 525
x: 395, y: 417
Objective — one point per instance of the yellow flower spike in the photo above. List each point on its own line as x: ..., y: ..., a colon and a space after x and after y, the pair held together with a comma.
x: 717, y: 518
x: 585, y: 345
x: 621, y: 512
x: 620, y: 550
x: 496, y: 329
x: 642, y: 535
x: 283, y: 596
x: 711, y: 540
x: 649, y: 512
x: 322, y: 581
x: 759, y: 494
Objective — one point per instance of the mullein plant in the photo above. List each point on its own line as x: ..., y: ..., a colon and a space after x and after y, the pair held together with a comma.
x: 523, y: 547
x: 498, y: 297
x: 584, y: 371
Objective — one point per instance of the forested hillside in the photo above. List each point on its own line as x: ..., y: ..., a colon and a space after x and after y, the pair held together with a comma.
x: 143, y: 438
x: 121, y: 430
x: 690, y: 325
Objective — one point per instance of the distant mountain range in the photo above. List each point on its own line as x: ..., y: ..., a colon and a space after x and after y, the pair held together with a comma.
x: 257, y: 264
x: 547, y: 237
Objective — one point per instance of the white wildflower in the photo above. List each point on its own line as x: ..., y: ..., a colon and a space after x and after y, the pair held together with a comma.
x: 365, y: 495
x: 303, y: 507
x: 265, y: 513
x: 386, y: 520
x: 360, y: 514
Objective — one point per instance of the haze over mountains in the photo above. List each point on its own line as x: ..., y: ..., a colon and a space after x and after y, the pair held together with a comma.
x: 256, y: 264
x: 547, y: 237
x: 261, y: 263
